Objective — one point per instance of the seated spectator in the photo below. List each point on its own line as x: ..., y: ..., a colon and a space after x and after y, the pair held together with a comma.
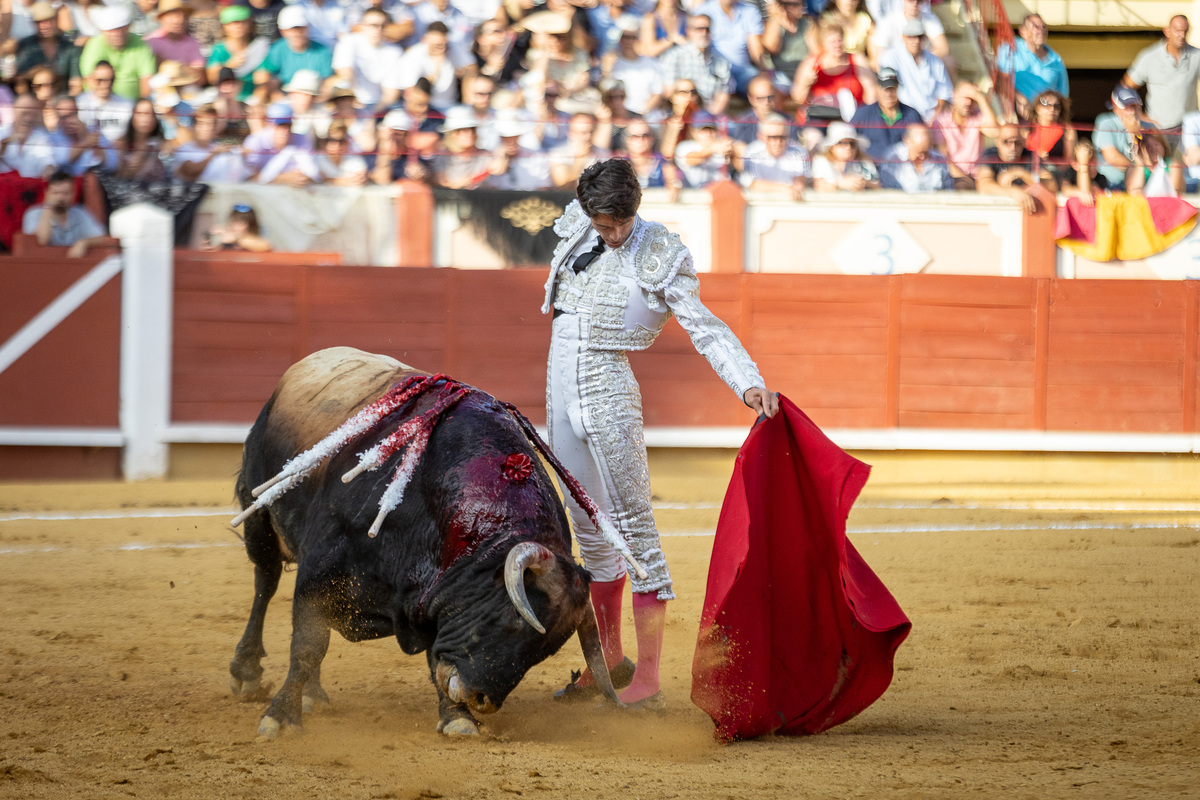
x: 1007, y: 170
x: 889, y: 29
x: 76, y: 149
x: 607, y: 20
x: 241, y: 50
x: 173, y: 111
x: 277, y: 134
x: 764, y: 101
x: 143, y: 15
x: 914, y: 166
x: 1083, y: 178
x: 362, y: 60
x: 204, y: 24
x: 240, y: 232
x: 699, y: 63
x: 26, y: 148
x: 1052, y: 138
x: 773, y: 163
x: 788, y: 38
x: 101, y: 109
x: 578, y: 153
x: 885, y: 121
x: 58, y: 222
x: 513, y: 167
x: 641, y: 78
x: 291, y: 160
x: 612, y: 115
x: 857, y: 26
x: 924, y: 83
x: 360, y: 123
x: 653, y: 171
x: 171, y: 41
x: 49, y: 47
x: 265, y: 16
x: 1190, y: 148
x: 1170, y: 70
x: 132, y: 59
x: 737, y: 28
x: 424, y: 135
x: 842, y: 167
x: 43, y: 84
x: 294, y: 52
x: 140, y: 149
x: 396, y: 159
x: 705, y: 156
x: 827, y: 77
x: 958, y: 132
x: 233, y: 123
x: 477, y: 94
x: 495, y: 52
x: 1154, y: 173
x: 400, y: 22
x: 561, y: 69
x: 663, y: 28
x: 326, y: 21
x: 338, y: 164
x: 1115, y: 133
x: 1033, y: 65
x: 461, y: 164
x: 207, y: 160
x: 431, y: 60
x: 308, y: 118
x: 459, y: 27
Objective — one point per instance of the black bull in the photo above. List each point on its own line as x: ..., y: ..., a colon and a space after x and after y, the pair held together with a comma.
x: 435, y: 576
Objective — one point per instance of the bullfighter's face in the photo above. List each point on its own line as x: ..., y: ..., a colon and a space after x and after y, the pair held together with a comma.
x: 613, y: 231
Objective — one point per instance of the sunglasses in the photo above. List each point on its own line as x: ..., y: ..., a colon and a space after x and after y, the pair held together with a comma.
x: 42, y: 85
x: 242, y: 208
x: 1010, y: 141
x: 779, y: 137
x: 685, y: 91
x: 700, y: 29
x: 645, y: 135
x: 1050, y: 103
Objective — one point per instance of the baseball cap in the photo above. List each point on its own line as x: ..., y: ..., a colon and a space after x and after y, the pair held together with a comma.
x: 1123, y: 97
x: 279, y: 114
x: 887, y: 78
x: 109, y: 18
x: 235, y: 14
x: 292, y: 17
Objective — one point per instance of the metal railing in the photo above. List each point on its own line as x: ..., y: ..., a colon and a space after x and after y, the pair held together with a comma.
x: 992, y: 29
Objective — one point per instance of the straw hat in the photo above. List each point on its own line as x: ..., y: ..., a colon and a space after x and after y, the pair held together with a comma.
x: 165, y: 6
x: 840, y: 132
x: 173, y: 73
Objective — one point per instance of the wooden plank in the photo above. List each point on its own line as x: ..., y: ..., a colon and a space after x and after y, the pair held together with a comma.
x: 846, y: 417
x: 237, y: 278
x: 939, y: 319
x: 765, y: 341
x: 235, y: 307
x: 1118, y: 399
x: 966, y: 372
x: 966, y: 420
x: 975, y: 291
x: 1114, y: 346
x: 1117, y: 320
x: 994, y: 347
x: 1127, y: 373
x: 1041, y: 352
x: 974, y: 399
x: 1191, y: 331
x: 1085, y: 419
x: 1116, y: 294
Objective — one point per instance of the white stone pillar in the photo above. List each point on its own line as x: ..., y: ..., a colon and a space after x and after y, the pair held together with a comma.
x: 147, y: 235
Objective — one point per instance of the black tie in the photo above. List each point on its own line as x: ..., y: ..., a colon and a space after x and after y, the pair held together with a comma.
x: 584, y: 259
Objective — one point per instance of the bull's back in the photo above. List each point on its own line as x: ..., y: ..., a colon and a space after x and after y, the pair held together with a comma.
x: 323, y: 390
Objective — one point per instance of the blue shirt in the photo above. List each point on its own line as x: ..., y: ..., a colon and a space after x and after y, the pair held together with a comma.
x: 283, y: 62
x: 1033, y: 75
x: 729, y: 34
x: 881, y: 136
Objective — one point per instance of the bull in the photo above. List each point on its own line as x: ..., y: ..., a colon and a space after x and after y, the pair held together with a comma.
x: 472, y: 566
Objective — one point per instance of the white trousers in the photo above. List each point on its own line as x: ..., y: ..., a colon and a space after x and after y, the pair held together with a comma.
x: 594, y: 420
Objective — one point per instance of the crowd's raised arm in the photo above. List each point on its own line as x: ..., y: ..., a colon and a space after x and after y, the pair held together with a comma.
x: 781, y: 97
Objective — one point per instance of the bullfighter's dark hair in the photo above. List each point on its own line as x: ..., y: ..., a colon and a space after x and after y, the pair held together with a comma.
x: 609, y: 187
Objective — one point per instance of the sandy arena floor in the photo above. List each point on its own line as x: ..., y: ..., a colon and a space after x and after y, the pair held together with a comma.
x: 1054, y: 653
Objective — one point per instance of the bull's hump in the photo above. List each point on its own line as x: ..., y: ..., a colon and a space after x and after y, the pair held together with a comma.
x: 321, y: 391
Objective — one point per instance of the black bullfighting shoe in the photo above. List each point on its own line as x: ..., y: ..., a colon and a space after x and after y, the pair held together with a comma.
x: 621, y: 675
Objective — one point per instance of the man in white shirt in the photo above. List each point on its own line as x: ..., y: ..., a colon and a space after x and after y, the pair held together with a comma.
x: 362, y: 60
x: 516, y: 168
x: 326, y: 21
x: 889, y: 28
x: 25, y: 148
x: 773, y: 163
x: 704, y: 157
x: 924, y: 83
x: 643, y: 78
x: 433, y: 60
x: 205, y: 161
x: 102, y: 110
x: 308, y: 119
x: 460, y: 32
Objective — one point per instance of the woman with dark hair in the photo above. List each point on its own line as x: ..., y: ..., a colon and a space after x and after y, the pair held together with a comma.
x: 662, y: 29
x: 42, y: 83
x: 495, y: 52
x: 240, y: 232
x: 615, y: 280
x: 653, y: 171
x: 141, y: 145
x: 1052, y: 137
x: 240, y: 50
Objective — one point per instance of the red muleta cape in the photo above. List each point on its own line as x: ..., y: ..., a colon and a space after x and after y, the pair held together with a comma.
x: 797, y: 633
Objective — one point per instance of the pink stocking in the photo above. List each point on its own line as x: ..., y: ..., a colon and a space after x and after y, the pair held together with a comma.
x: 606, y: 599
x: 649, y: 617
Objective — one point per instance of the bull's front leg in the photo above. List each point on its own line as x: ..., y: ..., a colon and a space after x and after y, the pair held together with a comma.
x: 310, y: 642
x: 454, y: 719
x: 245, y: 670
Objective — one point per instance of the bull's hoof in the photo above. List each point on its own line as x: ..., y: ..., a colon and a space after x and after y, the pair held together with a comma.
x: 250, y: 691
x: 270, y: 728
x: 459, y: 726
x: 314, y: 701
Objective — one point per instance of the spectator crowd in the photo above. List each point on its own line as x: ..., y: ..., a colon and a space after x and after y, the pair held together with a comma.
x: 779, y: 95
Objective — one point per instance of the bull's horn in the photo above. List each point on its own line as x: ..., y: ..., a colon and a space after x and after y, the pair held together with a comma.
x: 526, y: 555
x: 593, y: 654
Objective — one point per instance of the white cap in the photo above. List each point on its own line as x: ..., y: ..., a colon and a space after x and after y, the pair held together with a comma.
x: 397, y: 120
x: 292, y: 17
x: 459, y: 118
x: 306, y: 81
x: 109, y: 18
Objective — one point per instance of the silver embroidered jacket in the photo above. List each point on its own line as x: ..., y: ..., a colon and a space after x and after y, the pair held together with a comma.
x: 631, y: 291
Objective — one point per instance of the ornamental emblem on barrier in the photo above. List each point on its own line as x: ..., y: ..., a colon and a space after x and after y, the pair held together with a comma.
x: 532, y: 215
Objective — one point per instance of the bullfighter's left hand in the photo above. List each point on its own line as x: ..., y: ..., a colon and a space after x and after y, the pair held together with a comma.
x: 764, y: 401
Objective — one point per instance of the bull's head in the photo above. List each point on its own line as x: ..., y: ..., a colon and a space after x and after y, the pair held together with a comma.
x: 482, y: 671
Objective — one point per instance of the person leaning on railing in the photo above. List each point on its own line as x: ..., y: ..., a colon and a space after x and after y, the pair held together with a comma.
x: 58, y: 222
x: 1007, y: 170
x: 958, y: 132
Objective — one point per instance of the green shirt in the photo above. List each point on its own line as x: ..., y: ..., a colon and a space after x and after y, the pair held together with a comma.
x: 131, y: 63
